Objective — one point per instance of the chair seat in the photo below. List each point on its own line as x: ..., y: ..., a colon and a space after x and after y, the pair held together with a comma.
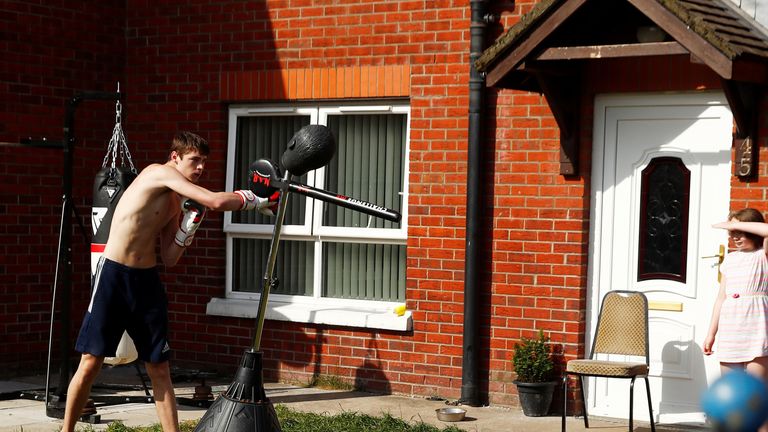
x: 606, y: 368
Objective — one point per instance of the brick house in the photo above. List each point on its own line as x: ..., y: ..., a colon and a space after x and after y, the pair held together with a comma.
x: 517, y: 199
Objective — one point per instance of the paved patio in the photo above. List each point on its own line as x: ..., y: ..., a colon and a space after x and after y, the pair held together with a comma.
x: 28, y: 415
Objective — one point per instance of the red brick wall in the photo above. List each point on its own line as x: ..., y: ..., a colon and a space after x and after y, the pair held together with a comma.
x: 181, y: 64
x: 49, y: 51
x: 177, y: 58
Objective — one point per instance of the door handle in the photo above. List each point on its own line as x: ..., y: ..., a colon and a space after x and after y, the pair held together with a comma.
x: 720, y: 256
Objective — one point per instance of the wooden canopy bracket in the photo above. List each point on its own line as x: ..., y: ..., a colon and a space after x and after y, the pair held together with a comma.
x: 563, y: 96
x: 743, y: 99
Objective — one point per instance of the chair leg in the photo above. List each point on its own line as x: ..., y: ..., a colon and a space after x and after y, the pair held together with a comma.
x: 631, y: 401
x: 583, y: 401
x: 565, y: 401
x: 650, y: 406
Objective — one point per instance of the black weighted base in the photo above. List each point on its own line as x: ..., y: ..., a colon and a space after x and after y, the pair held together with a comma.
x: 230, y: 415
x: 244, y: 406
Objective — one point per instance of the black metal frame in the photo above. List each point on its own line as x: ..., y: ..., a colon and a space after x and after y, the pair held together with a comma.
x: 55, y: 401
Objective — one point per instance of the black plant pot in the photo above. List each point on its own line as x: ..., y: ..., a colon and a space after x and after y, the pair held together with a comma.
x: 535, y: 398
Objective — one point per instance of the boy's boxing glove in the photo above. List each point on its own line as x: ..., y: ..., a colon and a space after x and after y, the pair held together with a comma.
x: 266, y: 206
x: 194, y: 213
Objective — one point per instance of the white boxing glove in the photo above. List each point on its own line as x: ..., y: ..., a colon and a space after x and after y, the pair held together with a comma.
x: 266, y: 206
x: 194, y: 213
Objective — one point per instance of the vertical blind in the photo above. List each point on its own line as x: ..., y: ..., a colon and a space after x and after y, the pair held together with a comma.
x: 293, y: 267
x: 368, y: 165
x: 266, y: 137
x: 364, y: 271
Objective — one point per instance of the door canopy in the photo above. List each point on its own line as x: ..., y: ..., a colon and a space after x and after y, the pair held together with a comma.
x: 544, y: 52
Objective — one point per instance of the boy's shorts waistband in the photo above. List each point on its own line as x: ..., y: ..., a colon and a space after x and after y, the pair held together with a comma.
x: 122, y: 267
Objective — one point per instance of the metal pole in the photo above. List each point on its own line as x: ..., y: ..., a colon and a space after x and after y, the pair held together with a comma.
x: 53, y: 309
x: 470, y: 392
x: 270, y: 269
x: 65, y: 251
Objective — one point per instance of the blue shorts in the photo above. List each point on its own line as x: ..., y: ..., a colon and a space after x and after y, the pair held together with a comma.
x: 131, y: 299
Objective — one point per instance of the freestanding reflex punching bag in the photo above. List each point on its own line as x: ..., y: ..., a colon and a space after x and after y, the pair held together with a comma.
x: 245, y: 407
x: 110, y: 183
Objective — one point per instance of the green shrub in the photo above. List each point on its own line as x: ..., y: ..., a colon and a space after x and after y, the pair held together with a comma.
x: 533, y: 359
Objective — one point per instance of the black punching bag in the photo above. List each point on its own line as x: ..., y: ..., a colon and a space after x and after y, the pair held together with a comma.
x: 108, y: 187
x: 312, y: 147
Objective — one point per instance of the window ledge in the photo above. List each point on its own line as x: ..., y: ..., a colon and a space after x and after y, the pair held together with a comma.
x: 313, y: 314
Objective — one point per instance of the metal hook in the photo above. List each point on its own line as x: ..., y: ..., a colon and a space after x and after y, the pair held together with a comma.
x: 118, y: 107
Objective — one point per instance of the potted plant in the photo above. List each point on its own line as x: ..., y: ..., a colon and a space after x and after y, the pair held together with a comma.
x: 534, y: 366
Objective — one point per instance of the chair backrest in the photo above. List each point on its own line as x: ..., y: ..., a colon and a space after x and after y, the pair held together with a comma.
x: 622, y: 325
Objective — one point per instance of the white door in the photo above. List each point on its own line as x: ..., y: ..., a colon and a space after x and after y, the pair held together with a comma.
x: 661, y: 178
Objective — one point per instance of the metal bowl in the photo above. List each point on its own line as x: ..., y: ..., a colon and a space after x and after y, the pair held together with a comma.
x: 452, y: 414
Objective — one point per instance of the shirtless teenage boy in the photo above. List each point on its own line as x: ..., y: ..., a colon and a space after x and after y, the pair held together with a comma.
x: 127, y: 293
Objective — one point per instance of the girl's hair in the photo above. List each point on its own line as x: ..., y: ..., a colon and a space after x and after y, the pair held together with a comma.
x: 749, y: 215
x: 185, y: 142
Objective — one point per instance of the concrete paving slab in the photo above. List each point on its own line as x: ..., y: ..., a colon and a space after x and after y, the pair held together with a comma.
x: 21, y: 415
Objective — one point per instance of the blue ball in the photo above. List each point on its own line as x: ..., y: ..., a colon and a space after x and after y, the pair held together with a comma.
x: 736, y: 402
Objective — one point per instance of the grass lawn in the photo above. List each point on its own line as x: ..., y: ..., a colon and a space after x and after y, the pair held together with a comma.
x: 295, y: 421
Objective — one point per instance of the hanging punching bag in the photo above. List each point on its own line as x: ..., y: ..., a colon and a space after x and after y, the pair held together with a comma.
x: 110, y: 183
x: 108, y: 187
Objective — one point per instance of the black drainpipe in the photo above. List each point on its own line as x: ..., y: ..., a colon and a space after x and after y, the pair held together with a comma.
x: 470, y: 391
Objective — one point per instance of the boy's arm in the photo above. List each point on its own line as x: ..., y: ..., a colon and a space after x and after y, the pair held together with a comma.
x: 219, y: 201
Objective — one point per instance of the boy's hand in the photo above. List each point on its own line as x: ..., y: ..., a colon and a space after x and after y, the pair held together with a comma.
x: 266, y: 206
x: 194, y: 213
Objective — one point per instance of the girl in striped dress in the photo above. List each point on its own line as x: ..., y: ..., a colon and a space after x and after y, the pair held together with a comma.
x: 740, y: 314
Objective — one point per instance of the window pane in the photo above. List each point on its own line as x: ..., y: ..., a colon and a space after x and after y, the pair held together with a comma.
x: 293, y: 266
x: 364, y: 271
x: 368, y: 165
x: 664, y: 220
x: 266, y: 137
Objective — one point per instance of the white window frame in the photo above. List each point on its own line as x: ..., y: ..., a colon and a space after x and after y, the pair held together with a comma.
x: 314, y: 308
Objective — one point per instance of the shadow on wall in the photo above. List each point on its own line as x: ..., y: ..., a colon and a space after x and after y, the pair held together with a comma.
x: 49, y: 53
x: 180, y: 75
x: 300, y: 356
x: 370, y: 376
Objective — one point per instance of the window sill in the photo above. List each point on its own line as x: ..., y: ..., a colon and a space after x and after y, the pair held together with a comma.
x: 313, y: 314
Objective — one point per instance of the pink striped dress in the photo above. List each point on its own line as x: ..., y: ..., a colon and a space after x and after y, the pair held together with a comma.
x: 742, y: 332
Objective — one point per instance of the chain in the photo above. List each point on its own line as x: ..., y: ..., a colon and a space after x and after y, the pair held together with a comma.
x: 118, y: 144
